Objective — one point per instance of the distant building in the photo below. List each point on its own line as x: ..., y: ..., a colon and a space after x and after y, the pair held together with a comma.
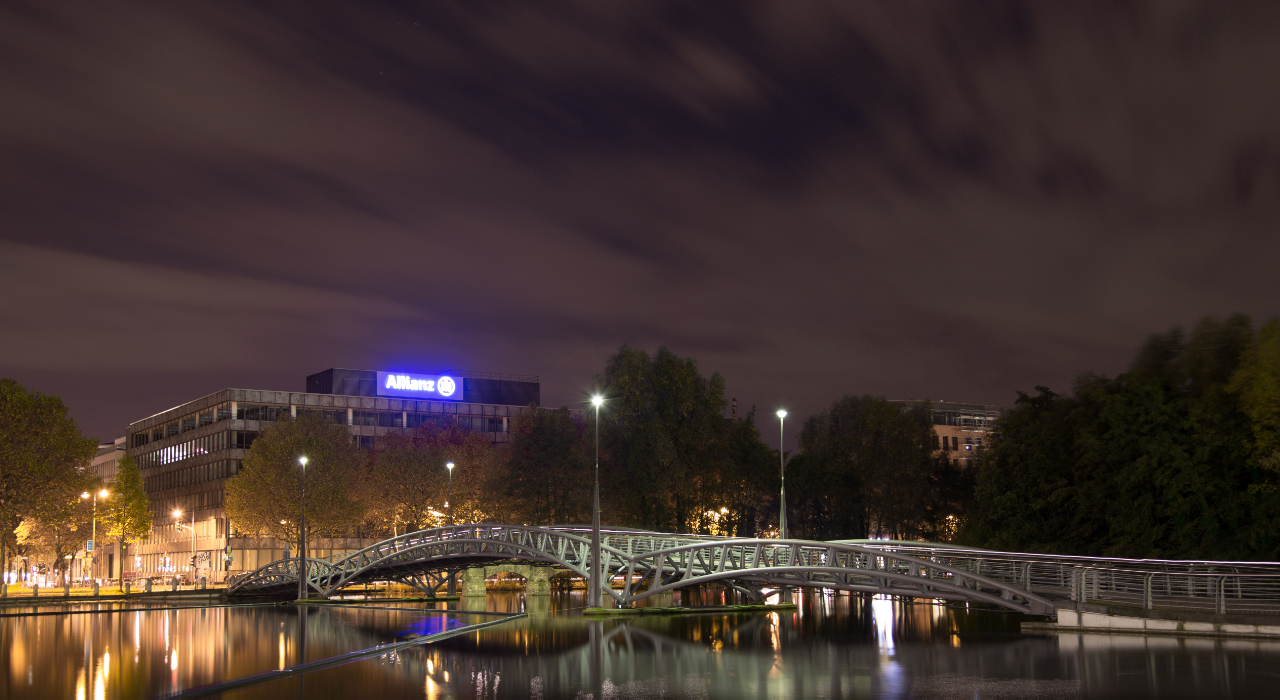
x: 961, y: 427
x: 104, y: 463
x: 187, y: 453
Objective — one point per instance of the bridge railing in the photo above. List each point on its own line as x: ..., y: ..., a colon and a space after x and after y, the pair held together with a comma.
x: 1194, y: 585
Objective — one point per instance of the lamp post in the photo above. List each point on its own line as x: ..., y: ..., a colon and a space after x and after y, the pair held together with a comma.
x: 782, y: 469
x: 452, y: 588
x: 449, y: 466
x: 178, y: 514
x: 93, y: 554
x: 302, y: 535
x: 594, y: 599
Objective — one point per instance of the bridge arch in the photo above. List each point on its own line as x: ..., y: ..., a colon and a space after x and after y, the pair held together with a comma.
x: 649, y: 563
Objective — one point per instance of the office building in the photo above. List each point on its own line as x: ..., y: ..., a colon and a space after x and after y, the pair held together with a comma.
x: 961, y: 428
x: 187, y: 453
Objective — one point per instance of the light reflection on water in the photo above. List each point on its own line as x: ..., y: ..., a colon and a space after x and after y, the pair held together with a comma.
x: 833, y: 646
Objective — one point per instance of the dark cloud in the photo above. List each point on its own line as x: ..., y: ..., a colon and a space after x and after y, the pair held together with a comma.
x: 951, y: 200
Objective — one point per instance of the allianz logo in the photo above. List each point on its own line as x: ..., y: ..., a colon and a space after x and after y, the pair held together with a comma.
x: 444, y: 386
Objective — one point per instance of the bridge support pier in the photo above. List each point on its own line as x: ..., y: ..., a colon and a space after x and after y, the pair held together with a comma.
x: 537, y: 578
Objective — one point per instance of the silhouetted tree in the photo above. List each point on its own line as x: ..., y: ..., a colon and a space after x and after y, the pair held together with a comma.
x: 1170, y: 459
x: 548, y: 475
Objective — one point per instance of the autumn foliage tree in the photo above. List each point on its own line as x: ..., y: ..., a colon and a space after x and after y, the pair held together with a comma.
x: 266, y: 496
x: 42, y: 454
x: 128, y: 519
x: 406, y: 483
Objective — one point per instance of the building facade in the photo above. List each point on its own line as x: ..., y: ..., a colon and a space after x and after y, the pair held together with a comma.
x: 99, y: 563
x: 961, y: 428
x: 187, y: 453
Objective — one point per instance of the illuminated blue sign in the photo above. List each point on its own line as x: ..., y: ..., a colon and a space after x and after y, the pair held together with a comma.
x: 420, y: 386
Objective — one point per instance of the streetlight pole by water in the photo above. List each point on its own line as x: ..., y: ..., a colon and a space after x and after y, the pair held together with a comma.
x: 594, y: 597
x: 452, y: 588
x: 782, y: 470
x: 302, y: 536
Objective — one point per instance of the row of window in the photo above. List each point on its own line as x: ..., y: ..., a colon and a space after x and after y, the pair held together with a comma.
x: 192, y: 475
x: 397, y: 419
x: 964, y: 420
x: 243, y: 439
x: 489, y: 418
x: 191, y: 448
x: 954, y: 443
x: 209, y: 416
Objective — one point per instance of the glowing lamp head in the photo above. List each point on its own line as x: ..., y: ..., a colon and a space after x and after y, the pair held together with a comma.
x: 303, y: 462
x: 103, y: 493
x: 85, y: 494
x: 597, y: 401
x: 449, y: 465
x: 782, y: 413
x: 177, y: 514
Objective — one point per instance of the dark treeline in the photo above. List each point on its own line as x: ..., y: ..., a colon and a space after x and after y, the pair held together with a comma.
x: 670, y: 460
x: 1176, y: 458
x: 867, y: 468
x: 673, y: 462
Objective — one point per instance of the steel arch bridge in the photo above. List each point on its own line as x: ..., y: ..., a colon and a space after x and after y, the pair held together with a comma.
x: 646, y: 562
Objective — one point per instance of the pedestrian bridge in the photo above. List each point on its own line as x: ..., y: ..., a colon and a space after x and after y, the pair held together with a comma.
x: 642, y: 564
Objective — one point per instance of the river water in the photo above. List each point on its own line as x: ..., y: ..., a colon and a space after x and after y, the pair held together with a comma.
x: 832, y: 647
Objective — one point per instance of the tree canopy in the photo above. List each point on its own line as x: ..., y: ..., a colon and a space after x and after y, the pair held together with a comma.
x: 128, y: 519
x: 265, y: 497
x: 670, y: 458
x: 866, y: 467
x: 548, y: 472
x: 42, y: 455
x: 407, y: 482
x: 1171, y: 459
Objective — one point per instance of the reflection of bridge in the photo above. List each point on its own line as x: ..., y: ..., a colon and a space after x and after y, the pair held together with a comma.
x: 646, y: 563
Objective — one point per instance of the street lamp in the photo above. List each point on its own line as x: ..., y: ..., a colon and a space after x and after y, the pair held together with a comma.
x: 449, y: 503
x: 302, y: 535
x: 594, y: 599
x: 782, y: 469
x: 452, y: 588
x: 93, y: 547
x: 178, y: 514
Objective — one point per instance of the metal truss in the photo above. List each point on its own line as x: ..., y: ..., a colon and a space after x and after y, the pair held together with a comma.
x: 647, y: 563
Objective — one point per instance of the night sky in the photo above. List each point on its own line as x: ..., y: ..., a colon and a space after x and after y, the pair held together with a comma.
x: 953, y: 200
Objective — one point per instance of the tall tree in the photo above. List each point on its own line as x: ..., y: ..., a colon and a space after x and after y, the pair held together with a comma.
x: 406, y: 487
x: 547, y: 477
x: 60, y: 532
x: 41, y: 453
x: 866, y: 468
x: 265, y: 497
x: 128, y: 518
x: 663, y: 430
x: 1257, y: 384
x: 1158, y: 462
x: 745, y: 483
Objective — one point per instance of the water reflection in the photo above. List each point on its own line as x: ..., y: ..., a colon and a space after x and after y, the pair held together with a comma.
x: 834, y: 646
